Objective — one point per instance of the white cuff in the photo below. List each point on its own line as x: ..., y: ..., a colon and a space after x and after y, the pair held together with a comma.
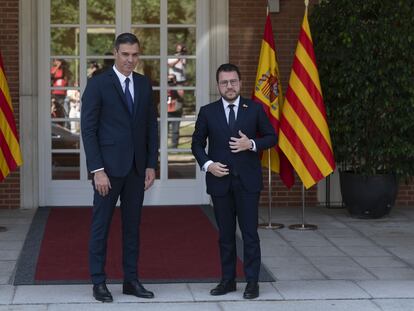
x: 99, y: 169
x: 206, y: 165
x: 253, y: 148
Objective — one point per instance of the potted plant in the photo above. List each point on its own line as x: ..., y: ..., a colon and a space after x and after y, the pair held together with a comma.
x: 365, y: 58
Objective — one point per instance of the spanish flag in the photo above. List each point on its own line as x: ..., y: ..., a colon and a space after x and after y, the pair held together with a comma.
x: 10, y: 156
x: 268, y: 92
x: 304, y: 134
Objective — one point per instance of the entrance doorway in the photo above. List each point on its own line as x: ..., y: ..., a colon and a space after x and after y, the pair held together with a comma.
x: 78, y: 37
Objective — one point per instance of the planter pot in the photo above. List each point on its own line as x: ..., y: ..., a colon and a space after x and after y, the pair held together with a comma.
x: 368, y: 196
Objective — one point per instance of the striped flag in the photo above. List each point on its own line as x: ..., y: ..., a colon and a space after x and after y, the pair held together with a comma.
x: 10, y: 156
x: 304, y: 134
x: 268, y: 92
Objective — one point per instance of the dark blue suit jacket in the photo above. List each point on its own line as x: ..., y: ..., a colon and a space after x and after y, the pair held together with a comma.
x: 112, y: 136
x: 212, y: 125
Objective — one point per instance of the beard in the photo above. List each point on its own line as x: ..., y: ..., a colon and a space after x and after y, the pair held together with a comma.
x: 230, y: 95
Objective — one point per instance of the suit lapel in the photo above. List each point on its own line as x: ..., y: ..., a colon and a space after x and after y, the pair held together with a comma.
x: 241, y: 112
x: 137, y: 95
x: 221, y: 116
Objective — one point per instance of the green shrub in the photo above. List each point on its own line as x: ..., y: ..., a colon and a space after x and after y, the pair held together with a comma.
x: 365, y: 55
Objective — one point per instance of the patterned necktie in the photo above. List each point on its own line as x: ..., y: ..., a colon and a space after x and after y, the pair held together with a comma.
x: 129, y: 100
x: 232, y: 116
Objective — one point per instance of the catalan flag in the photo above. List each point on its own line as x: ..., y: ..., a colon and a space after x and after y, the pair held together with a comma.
x: 268, y: 92
x: 10, y: 156
x: 304, y: 134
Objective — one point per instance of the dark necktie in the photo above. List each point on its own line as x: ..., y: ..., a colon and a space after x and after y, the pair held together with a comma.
x: 232, y: 116
x: 129, y: 100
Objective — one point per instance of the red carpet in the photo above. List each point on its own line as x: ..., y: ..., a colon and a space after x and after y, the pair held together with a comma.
x: 177, y: 243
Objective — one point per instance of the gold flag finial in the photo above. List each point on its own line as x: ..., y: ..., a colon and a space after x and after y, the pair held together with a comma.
x: 306, y: 3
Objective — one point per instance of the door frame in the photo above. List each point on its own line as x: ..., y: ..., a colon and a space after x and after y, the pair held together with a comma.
x: 213, y: 42
x: 61, y: 192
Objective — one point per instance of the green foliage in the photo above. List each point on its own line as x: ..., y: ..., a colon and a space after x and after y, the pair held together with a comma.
x: 101, y: 11
x: 64, y: 11
x: 145, y: 12
x: 366, y: 65
x: 181, y: 11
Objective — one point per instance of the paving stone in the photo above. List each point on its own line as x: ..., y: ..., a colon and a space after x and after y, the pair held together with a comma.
x: 314, y: 290
x: 6, y: 294
x: 327, y: 305
x: 9, y: 254
x: 380, y: 262
x: 364, y: 251
x: 297, y: 272
x: 388, y: 289
x: 24, y: 308
x: 312, y: 251
x: 393, y: 273
x: 395, y: 304
x: 179, y: 306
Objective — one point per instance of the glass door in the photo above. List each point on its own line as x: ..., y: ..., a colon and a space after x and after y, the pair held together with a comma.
x: 78, y: 37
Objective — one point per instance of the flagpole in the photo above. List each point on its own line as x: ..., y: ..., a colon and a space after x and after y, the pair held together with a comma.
x: 303, y: 226
x: 270, y: 225
x: 295, y: 138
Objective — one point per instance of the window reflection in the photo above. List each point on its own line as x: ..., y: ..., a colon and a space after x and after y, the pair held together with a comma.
x: 101, y: 12
x: 181, y: 138
x: 181, y: 165
x: 59, y: 76
x: 181, y: 11
x: 99, y: 40
x: 149, y: 39
x: 97, y: 66
x: 175, y: 101
x: 187, y: 72
x: 65, y: 166
x: 74, y: 105
x: 64, y: 41
x: 189, y: 106
x: 184, y: 36
x: 151, y: 69
x: 64, y: 11
x: 64, y: 138
x: 178, y: 105
x: 145, y: 11
x: 64, y: 72
x: 177, y: 66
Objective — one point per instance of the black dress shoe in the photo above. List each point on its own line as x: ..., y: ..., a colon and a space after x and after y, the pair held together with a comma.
x: 224, y: 287
x: 251, y: 291
x: 135, y: 288
x: 102, y: 293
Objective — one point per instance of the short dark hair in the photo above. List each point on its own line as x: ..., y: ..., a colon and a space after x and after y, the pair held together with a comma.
x: 125, y: 37
x: 227, y: 68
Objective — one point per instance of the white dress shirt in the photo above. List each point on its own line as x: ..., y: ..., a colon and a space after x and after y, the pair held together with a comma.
x: 226, y: 104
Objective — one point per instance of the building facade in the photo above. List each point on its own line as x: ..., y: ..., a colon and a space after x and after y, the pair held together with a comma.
x: 51, y: 47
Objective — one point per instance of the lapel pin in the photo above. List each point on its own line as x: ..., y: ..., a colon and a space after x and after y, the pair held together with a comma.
x: 244, y: 106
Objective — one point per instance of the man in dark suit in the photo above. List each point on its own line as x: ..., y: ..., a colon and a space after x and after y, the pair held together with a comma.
x: 120, y: 137
x: 236, y: 129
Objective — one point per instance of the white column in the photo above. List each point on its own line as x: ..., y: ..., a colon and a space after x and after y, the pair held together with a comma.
x: 28, y: 104
x: 219, y: 40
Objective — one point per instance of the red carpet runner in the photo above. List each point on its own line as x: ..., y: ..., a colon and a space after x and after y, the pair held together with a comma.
x: 177, y: 244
